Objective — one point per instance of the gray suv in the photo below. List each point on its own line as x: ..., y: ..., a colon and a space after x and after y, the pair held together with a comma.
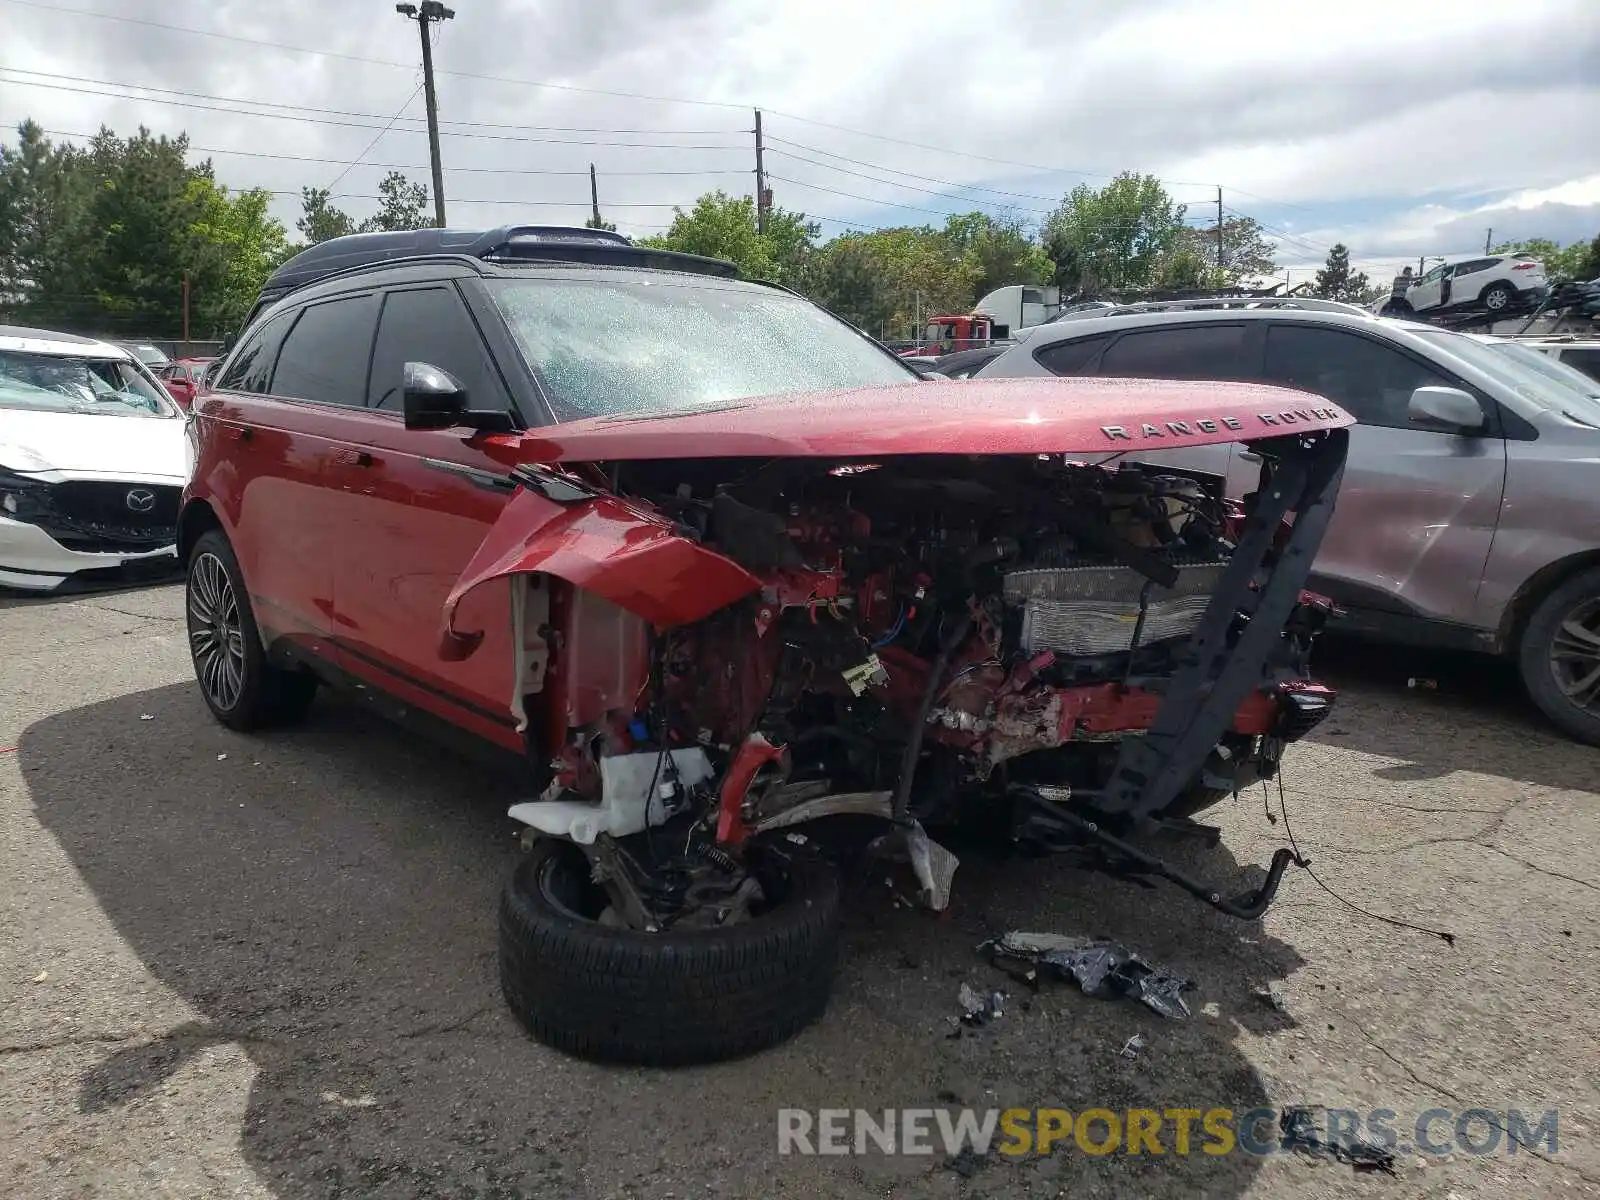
x: 1470, y: 511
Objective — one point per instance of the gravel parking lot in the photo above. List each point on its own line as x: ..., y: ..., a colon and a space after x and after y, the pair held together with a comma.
x: 264, y: 966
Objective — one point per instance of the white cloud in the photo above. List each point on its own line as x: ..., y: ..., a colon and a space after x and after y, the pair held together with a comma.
x: 1357, y: 110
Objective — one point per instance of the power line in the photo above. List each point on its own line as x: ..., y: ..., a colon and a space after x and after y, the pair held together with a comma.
x: 299, y: 109
x: 382, y: 166
x: 938, y: 212
x: 376, y: 62
x: 493, y: 137
x: 643, y: 96
x: 910, y: 187
x: 369, y: 147
x: 565, y: 87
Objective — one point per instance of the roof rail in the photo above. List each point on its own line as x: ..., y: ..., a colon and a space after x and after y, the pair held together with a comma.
x: 1232, y: 302
x: 508, y: 243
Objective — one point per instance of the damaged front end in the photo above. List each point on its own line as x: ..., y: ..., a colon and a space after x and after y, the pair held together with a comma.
x: 715, y: 652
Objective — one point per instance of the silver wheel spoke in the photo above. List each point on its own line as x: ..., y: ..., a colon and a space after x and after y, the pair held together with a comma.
x: 1584, y: 690
x: 216, y: 633
x: 1575, y: 655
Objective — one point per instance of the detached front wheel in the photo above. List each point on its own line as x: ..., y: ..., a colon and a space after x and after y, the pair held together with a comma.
x: 670, y: 998
x: 1560, y: 656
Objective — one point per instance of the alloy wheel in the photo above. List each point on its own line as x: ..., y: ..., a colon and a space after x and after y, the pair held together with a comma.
x: 1575, y: 656
x: 216, y: 634
x: 1496, y: 299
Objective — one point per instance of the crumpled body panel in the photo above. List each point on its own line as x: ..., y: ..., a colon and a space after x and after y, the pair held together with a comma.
x: 632, y: 558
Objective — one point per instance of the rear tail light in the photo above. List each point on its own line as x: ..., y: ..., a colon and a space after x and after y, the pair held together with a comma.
x: 1524, y: 266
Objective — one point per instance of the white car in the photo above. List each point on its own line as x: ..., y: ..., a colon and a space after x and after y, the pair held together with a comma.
x: 93, y: 460
x: 1496, y: 282
x: 1581, y: 354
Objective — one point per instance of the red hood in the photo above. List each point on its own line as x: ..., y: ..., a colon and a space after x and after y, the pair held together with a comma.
x: 975, y: 416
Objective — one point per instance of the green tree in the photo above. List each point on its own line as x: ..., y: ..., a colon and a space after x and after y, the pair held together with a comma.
x: 886, y: 280
x: 401, y: 205
x: 44, y: 198
x: 1589, y: 264
x: 597, y: 223
x: 1245, y: 251
x: 102, y: 239
x: 1113, y: 237
x: 1335, y: 281
x: 319, y: 219
x: 847, y: 278
x: 997, y: 250
x: 724, y: 226
x: 1561, y: 263
x: 233, y: 246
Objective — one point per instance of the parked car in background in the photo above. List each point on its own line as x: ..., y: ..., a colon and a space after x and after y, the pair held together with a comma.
x: 963, y: 364
x: 1549, y: 366
x: 717, y: 565
x: 1581, y: 354
x: 1497, y: 282
x: 185, y: 378
x: 1469, y: 515
x: 153, y: 357
x: 92, y: 462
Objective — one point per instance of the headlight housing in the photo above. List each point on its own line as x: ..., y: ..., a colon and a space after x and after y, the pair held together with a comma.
x: 17, y: 494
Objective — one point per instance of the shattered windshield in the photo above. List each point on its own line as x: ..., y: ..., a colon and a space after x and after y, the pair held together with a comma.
x: 654, y: 346
x: 73, y: 384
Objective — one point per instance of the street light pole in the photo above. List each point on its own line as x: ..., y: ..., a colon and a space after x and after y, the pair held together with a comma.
x: 430, y: 12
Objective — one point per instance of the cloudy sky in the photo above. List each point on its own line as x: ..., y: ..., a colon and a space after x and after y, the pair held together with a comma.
x: 1401, y: 129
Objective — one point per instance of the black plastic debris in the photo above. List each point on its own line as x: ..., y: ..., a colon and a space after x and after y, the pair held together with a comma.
x: 967, y: 1163
x: 1302, y: 1132
x: 1100, y: 968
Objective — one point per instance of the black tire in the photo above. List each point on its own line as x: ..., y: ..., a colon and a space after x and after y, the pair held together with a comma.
x: 1552, y: 658
x: 662, y: 999
x: 250, y: 693
x: 1497, y: 297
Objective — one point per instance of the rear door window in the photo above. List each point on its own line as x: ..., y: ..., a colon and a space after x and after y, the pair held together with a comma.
x: 431, y: 325
x: 1180, y: 352
x: 325, y: 356
x: 1371, y: 381
x: 1071, y: 358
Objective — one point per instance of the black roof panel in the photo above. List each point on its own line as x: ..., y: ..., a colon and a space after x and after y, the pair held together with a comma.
x: 509, y: 242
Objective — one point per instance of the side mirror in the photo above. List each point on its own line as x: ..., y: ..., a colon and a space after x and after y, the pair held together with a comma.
x: 1445, y: 408
x: 433, y: 399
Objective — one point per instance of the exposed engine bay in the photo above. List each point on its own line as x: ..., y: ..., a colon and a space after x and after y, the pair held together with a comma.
x: 934, y: 641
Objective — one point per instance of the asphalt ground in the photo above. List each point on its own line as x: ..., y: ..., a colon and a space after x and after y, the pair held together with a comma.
x: 264, y: 966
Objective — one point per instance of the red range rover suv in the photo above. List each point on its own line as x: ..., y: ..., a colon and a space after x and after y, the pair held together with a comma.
x: 742, y: 589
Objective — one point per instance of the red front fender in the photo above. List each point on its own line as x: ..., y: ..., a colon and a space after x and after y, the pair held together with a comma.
x: 632, y: 557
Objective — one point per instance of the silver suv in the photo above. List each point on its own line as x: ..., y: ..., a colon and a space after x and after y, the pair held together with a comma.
x: 1470, y: 511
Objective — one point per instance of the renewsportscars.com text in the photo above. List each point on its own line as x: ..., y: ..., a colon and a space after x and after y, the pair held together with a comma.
x: 1215, y: 1131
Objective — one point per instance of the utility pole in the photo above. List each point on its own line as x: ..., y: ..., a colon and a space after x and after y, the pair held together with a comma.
x: 430, y: 12
x: 186, y: 312
x: 1220, y: 263
x: 761, y: 181
x: 594, y: 196
x: 1488, y: 236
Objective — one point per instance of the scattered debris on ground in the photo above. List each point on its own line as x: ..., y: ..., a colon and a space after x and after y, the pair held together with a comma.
x: 1100, y: 968
x: 1302, y: 1132
x: 1270, y: 995
x: 978, y: 1008
x: 967, y: 1163
x: 1132, y: 1047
